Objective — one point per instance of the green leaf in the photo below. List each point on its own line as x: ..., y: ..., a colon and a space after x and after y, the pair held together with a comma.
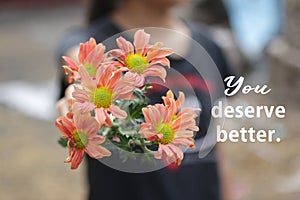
x: 63, y: 142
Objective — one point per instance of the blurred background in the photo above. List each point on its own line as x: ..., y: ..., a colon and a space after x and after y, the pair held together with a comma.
x: 260, y: 39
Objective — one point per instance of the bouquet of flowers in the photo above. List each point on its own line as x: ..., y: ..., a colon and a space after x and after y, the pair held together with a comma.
x: 109, y: 103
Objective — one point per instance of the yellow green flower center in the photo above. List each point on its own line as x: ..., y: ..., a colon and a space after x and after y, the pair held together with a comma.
x: 136, y: 63
x: 91, y: 69
x: 80, y: 139
x: 167, y: 132
x: 174, y: 117
x: 102, y: 97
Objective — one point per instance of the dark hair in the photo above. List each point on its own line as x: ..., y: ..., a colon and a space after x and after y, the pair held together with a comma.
x: 99, y: 8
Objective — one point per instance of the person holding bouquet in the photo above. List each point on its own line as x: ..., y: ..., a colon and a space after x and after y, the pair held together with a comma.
x: 195, y: 178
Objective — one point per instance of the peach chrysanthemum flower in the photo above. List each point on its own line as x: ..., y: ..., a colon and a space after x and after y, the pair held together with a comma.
x: 178, y: 103
x: 82, y: 136
x: 91, y: 55
x: 141, y: 58
x: 170, y: 128
x: 101, y: 93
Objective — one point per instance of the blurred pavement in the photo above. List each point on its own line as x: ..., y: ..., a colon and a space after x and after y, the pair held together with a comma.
x: 31, y: 165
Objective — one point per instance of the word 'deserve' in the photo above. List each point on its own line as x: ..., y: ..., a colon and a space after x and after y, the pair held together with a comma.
x: 247, y: 111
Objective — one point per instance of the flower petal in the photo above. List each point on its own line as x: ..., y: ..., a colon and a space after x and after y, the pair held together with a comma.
x: 80, y: 95
x: 123, y: 90
x: 96, y: 56
x: 118, y: 54
x: 146, y: 131
x: 86, y: 123
x: 117, y: 112
x: 134, y: 79
x: 178, y: 152
x: 141, y: 40
x: 85, y: 49
x: 86, y: 80
x: 83, y: 107
x: 114, y: 79
x: 125, y: 45
x: 155, y: 70
x: 102, y: 117
x: 97, y: 139
x: 184, y: 133
x: 76, y: 158
x: 146, y: 114
x: 185, y: 122
x: 158, y: 53
x: 65, y: 126
x: 158, y: 154
x: 71, y: 64
x: 180, y: 100
x: 97, y: 151
x: 185, y: 141
x: 162, y: 61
